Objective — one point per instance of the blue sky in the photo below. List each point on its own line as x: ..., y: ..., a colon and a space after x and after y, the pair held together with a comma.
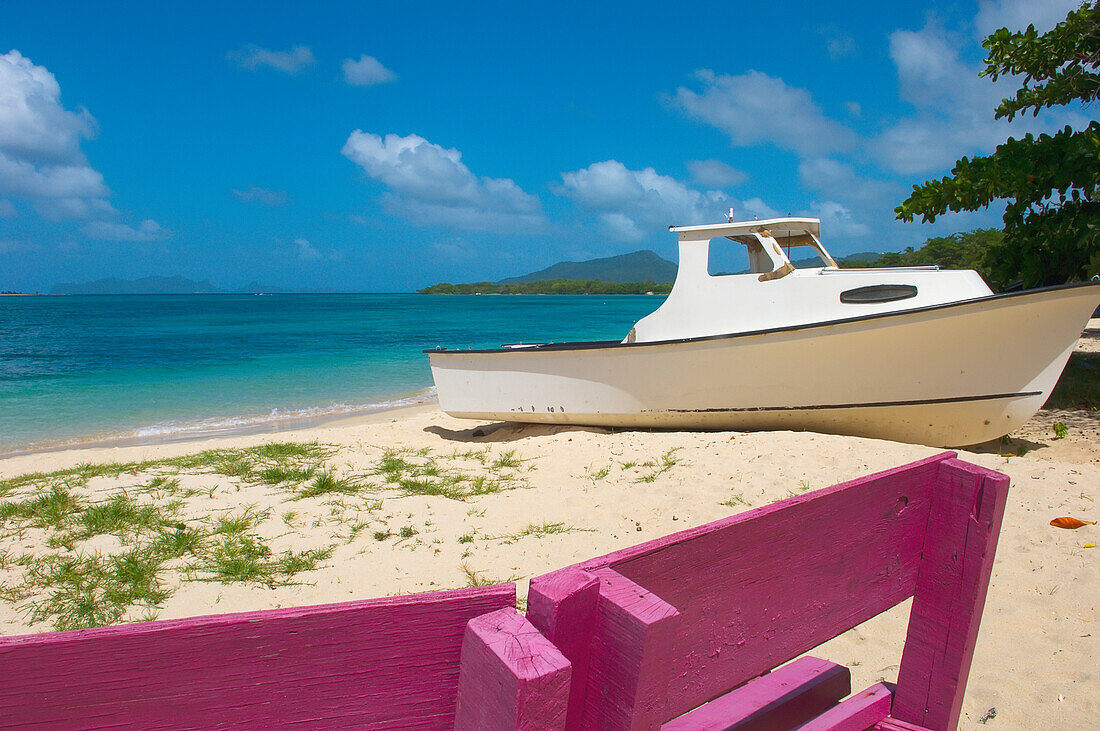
x: 386, y: 146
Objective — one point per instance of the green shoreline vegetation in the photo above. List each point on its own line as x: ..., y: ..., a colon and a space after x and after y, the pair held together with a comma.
x: 970, y: 250
x: 553, y: 286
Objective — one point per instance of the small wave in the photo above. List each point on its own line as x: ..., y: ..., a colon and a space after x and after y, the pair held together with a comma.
x: 274, y: 420
x: 275, y: 417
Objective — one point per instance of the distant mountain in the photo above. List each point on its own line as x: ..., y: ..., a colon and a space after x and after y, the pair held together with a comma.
x: 640, y: 266
x: 146, y: 285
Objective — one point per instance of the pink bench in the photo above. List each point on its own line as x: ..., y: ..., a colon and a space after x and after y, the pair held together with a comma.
x: 691, y: 631
x: 684, y: 632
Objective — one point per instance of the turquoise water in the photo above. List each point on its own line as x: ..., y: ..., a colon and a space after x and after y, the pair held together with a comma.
x: 162, y: 366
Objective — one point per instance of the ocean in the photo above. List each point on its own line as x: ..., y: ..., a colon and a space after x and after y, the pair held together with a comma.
x: 82, y: 369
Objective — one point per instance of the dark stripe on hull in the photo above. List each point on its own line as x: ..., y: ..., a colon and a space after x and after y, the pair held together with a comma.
x: 871, y: 405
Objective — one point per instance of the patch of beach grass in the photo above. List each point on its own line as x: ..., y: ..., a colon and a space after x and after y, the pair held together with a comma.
x: 656, y: 468
x: 479, y: 578
x: 735, y: 500
x: 422, y: 472
x: 541, y: 530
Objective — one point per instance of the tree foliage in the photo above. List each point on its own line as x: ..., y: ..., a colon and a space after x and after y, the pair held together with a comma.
x: 1050, y: 181
x: 968, y: 250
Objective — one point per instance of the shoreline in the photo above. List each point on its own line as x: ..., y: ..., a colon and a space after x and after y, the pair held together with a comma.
x: 194, y: 434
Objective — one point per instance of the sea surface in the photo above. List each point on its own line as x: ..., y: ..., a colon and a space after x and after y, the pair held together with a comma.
x: 82, y: 369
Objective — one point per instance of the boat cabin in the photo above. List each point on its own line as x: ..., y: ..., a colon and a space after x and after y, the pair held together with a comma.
x: 770, y: 291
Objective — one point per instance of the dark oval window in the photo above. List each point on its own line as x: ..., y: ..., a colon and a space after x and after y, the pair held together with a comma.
x: 878, y: 293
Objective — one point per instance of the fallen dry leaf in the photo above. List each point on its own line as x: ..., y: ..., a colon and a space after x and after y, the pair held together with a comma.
x: 1067, y: 522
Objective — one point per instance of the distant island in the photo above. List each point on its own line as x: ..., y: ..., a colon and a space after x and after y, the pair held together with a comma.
x: 552, y: 286
x: 166, y: 285
x: 638, y: 266
x: 640, y: 272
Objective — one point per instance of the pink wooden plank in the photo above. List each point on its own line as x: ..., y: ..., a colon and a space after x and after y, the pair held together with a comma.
x: 562, y: 605
x: 963, y: 525
x: 511, y: 676
x: 893, y: 724
x: 380, y: 663
x: 858, y: 713
x: 759, y: 588
x: 627, y: 677
x: 782, y: 699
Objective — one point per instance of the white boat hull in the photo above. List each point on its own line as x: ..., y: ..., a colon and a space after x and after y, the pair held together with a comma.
x: 948, y: 375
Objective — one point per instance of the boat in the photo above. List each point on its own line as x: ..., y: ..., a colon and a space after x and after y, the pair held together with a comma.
x: 912, y: 354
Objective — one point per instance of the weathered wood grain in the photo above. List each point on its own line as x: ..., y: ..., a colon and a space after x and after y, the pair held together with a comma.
x: 963, y: 525
x: 627, y: 673
x: 379, y: 663
x: 858, y: 713
x: 562, y: 605
x: 511, y: 676
x: 782, y: 699
x: 892, y: 724
x: 759, y: 588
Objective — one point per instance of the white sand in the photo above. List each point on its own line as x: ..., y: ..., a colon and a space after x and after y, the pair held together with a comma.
x: 1036, y: 660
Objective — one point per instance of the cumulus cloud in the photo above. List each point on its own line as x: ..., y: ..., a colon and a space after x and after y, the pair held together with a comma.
x: 837, y: 220
x: 33, y: 124
x: 754, y: 108
x: 306, y: 250
x: 715, y: 173
x: 429, y: 184
x: 1019, y: 14
x: 827, y: 175
x: 41, y: 161
x: 148, y: 230
x: 367, y: 71
x: 256, y: 194
x: 953, y: 106
x: 253, y: 58
x: 632, y: 205
x: 40, y: 156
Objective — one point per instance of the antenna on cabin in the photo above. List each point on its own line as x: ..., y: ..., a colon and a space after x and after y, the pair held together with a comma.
x: 729, y: 216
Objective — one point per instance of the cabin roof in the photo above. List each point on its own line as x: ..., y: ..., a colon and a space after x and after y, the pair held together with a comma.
x: 777, y: 227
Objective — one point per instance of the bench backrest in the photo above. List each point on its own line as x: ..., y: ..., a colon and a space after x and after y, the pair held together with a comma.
x: 685, y: 618
x: 382, y: 662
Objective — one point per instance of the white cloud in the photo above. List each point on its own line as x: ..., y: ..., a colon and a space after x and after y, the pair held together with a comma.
x: 837, y: 221
x: 715, y: 173
x: 840, y: 45
x: 840, y: 179
x: 367, y: 71
x: 632, y: 205
x: 40, y: 157
x: 1018, y: 14
x: 256, y: 194
x: 430, y: 184
x: 33, y: 124
x: 854, y: 109
x: 253, y: 57
x: 306, y: 250
x: 148, y: 230
x: 29, y: 180
x: 954, y: 107
x: 753, y: 108
x: 756, y: 208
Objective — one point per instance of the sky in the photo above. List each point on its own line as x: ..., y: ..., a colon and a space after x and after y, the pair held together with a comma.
x: 381, y: 147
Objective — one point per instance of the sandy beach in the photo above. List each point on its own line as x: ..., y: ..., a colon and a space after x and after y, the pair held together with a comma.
x: 417, y: 501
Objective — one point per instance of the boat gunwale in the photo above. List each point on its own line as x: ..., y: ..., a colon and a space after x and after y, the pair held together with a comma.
x: 616, y: 344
